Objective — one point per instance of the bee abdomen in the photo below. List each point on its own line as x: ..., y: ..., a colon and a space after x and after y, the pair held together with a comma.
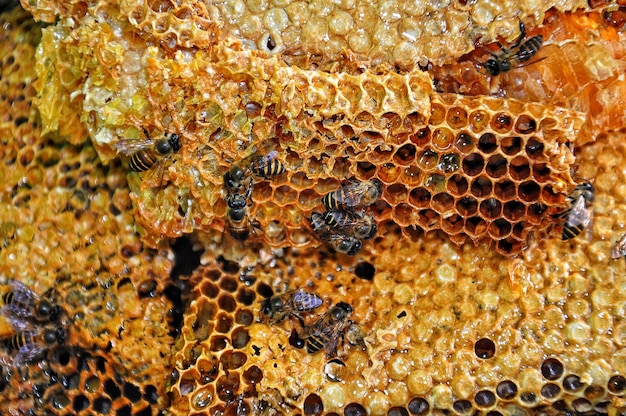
x: 268, y: 169
x: 142, y: 161
x: 571, y: 231
x: 330, y: 200
x: 530, y: 48
x: 314, y: 344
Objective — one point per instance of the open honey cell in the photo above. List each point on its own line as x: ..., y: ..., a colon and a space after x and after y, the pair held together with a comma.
x: 457, y: 118
x: 464, y: 143
x: 501, y: 123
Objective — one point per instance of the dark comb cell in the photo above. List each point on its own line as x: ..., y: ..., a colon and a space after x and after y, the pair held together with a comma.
x: 616, y: 384
x: 397, y: 411
x: 365, y: 270
x: 418, y: 406
x: 550, y: 390
x: 313, y: 405
x: 506, y: 390
x: 132, y: 392
x: 552, y: 369
x: 572, y: 383
x: 485, y: 398
x: 484, y: 348
x: 354, y: 409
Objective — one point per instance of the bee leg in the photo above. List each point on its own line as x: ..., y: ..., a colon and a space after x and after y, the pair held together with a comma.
x: 299, y: 318
x: 522, y: 29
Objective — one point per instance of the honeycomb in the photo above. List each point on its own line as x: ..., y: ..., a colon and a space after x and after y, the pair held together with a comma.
x: 450, y: 327
x: 67, y: 232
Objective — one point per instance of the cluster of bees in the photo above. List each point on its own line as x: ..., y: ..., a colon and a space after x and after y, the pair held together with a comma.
x: 325, y: 332
x: 36, y: 322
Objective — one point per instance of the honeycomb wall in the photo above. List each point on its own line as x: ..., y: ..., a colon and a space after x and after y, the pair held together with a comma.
x: 67, y: 232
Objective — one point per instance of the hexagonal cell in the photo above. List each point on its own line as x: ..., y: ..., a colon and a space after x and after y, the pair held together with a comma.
x: 462, y: 407
x: 509, y: 246
x: 475, y: 226
x: 457, y: 185
x: 457, y: 118
x: 487, y: 143
x: 550, y: 197
x: 519, y: 168
x: 419, y: 406
x: 485, y: 398
x: 419, y: 198
x: 473, y: 164
x: 427, y: 159
x: 552, y: 369
x: 525, y: 124
x: 514, y: 210
x: 534, y: 148
x: 449, y: 163
x: 437, y: 114
x: 435, y: 182
x: 365, y: 170
x: 308, y: 199
x: 504, y: 190
x: 227, y: 302
x: 378, y: 156
x: 511, y: 145
x: 405, y: 155
x: 478, y: 120
x: 411, y: 175
x: 541, y: 172
x: 395, y: 193
x: 499, y: 229
x: 421, y: 137
x: 464, y: 143
x: 453, y: 224
x: 467, y: 206
x: 427, y: 219
x: 442, y: 138
x: 313, y: 405
x: 481, y: 187
x: 535, y: 213
x: 403, y: 214
x: 519, y: 231
x: 491, y: 208
x: 388, y: 172
x: 501, y: 123
x: 442, y: 203
x: 496, y: 166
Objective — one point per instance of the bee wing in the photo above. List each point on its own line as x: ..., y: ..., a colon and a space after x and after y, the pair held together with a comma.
x: 619, y: 250
x: 23, y: 301
x: 20, y: 323
x: 27, y: 353
x: 153, y: 177
x: 128, y: 147
x: 579, y: 214
x: 353, y: 193
x: 305, y: 301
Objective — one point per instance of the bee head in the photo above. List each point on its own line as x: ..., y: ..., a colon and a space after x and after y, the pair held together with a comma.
x: 341, y: 311
x: 350, y: 246
x: 587, y: 191
x: 266, y: 306
x: 492, y: 67
x: 47, y: 310
x: 174, y: 142
x: 378, y: 185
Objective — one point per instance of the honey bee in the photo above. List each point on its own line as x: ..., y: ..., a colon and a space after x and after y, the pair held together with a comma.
x: 519, y: 52
x: 340, y: 242
x: 30, y: 345
x: 619, y: 249
x: 264, y: 166
x: 237, y: 213
x: 291, y: 303
x: 353, y: 194
x: 327, y: 329
x: 351, y: 223
x: 22, y: 307
x: 579, y: 215
x: 146, y: 153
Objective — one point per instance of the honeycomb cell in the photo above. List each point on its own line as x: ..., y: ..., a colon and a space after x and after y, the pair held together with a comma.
x: 418, y: 406
x: 405, y: 155
x: 552, y: 369
x: 475, y: 226
x: 240, y: 338
x: 403, y: 214
x: 313, y: 405
x: 232, y: 360
x: 582, y: 405
x: 499, y: 229
x: 519, y: 169
x: 617, y: 384
x: 511, y: 145
x: 550, y: 390
x: 514, y: 211
x: 541, y: 172
x: 442, y: 203
x: 453, y: 224
x: 395, y: 194
x: 457, y: 185
x: 427, y: 160
x: 481, y: 187
x: 437, y: 114
x: 442, y: 138
x: 496, y: 166
x: 449, y: 163
x: 484, y: 348
x: 487, y: 143
x: 491, y: 208
x: 457, y: 118
x: 419, y: 197
x: 594, y: 393
x: 253, y: 375
x: 464, y: 143
x: 467, y: 206
x: 534, y: 149
x: 572, y: 383
x: 478, y: 120
x: 427, y: 218
x: 473, y: 164
x: 485, y: 398
x: 365, y: 270
x: 421, y: 137
x: 462, y: 406
x: 501, y: 123
x: 227, y: 302
x: 504, y: 190
x: 525, y: 124
x: 506, y: 390
x: 529, y: 191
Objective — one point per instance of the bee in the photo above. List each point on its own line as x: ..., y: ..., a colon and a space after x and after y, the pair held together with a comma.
x: 291, y: 303
x: 264, y: 166
x: 351, y: 223
x: 237, y: 213
x: 30, y: 345
x: 327, y: 329
x: 340, y: 242
x: 579, y: 214
x: 23, y: 307
x: 353, y: 194
x: 146, y: 153
x: 519, y: 52
x: 355, y: 335
x: 619, y: 250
